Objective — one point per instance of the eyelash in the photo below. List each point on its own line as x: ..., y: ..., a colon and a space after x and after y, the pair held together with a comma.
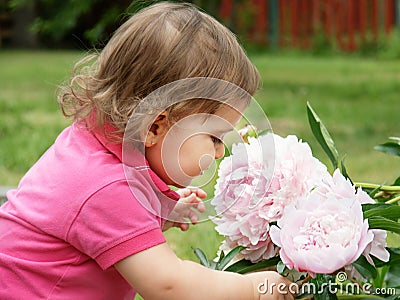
x: 216, y: 140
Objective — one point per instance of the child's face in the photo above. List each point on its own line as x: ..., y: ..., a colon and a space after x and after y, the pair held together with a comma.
x: 191, y: 146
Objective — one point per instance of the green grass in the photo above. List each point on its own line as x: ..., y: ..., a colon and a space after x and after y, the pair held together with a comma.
x: 358, y: 100
x: 29, y: 116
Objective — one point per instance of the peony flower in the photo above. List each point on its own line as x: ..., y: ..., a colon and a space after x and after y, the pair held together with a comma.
x: 342, y: 188
x: 377, y: 247
x: 325, y: 232
x: 255, y: 185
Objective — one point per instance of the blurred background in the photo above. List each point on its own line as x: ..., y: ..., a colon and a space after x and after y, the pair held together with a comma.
x: 316, y: 25
x: 343, y: 56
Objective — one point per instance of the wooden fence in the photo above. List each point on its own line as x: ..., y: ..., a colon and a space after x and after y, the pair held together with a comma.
x: 349, y: 24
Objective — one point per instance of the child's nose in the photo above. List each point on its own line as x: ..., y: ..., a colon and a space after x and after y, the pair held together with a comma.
x: 219, y: 151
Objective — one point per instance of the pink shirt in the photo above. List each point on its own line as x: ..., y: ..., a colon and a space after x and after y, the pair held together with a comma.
x: 74, y: 216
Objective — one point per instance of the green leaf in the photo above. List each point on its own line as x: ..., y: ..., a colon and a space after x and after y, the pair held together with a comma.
x: 394, y: 297
x: 379, y: 281
x: 384, y: 223
x: 202, y: 257
x: 396, y: 182
x: 365, y: 268
x: 304, y: 296
x: 265, y: 131
x: 245, y: 266
x: 394, y: 256
x: 212, y: 265
x: 395, y: 139
x: 280, y: 267
x: 389, y: 148
x: 393, y: 276
x: 374, y: 193
x: 388, y: 211
x: 321, y: 281
x: 227, y: 258
x: 361, y: 297
x: 325, y: 295
x: 344, y: 171
x: 221, y: 256
x: 322, y: 135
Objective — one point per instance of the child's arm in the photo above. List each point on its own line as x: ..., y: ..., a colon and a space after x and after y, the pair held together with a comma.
x: 185, y: 210
x: 157, y: 273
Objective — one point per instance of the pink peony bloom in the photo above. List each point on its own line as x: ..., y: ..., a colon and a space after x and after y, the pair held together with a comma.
x: 343, y: 189
x: 255, y: 185
x: 325, y: 232
x: 320, y: 221
x: 377, y: 247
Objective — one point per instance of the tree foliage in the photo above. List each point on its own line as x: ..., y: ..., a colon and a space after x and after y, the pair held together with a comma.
x: 89, y: 22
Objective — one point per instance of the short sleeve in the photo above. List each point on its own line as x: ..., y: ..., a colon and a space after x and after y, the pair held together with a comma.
x: 112, y: 224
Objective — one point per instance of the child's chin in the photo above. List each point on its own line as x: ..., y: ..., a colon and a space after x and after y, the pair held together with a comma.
x: 182, y: 183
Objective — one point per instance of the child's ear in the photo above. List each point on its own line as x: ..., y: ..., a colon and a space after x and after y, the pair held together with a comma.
x: 157, y: 129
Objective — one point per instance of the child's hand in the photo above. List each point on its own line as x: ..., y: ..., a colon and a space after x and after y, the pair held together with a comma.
x: 185, y: 210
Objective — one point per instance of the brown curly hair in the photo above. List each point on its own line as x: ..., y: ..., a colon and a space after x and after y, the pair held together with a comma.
x: 160, y: 44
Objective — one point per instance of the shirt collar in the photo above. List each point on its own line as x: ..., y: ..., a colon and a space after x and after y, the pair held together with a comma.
x: 136, y: 159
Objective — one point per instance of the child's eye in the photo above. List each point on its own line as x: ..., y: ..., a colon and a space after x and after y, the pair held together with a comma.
x: 216, y: 140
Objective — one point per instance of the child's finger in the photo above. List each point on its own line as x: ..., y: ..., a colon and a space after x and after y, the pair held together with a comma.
x: 193, y: 217
x: 184, y: 192
x: 201, y: 207
x: 199, y: 192
x: 196, y: 203
x: 190, y: 199
x: 183, y: 226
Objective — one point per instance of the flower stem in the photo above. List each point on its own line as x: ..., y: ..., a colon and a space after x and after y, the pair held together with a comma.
x: 394, y: 200
x: 388, y: 188
x: 305, y: 280
x: 379, y: 194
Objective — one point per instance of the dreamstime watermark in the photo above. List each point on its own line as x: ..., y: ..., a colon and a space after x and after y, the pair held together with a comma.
x: 341, y: 285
